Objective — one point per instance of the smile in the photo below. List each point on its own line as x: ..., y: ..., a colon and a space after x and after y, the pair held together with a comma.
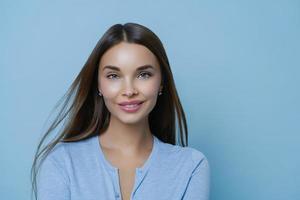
x: 131, y: 108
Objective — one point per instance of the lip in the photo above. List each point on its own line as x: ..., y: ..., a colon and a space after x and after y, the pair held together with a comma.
x: 124, y: 103
x: 132, y: 106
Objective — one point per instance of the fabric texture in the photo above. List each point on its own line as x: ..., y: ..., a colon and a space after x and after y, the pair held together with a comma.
x: 80, y: 171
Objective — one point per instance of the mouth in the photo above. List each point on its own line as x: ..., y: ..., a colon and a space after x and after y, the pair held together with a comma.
x: 131, y: 107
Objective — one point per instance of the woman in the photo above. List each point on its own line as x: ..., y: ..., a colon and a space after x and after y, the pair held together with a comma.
x: 119, y: 139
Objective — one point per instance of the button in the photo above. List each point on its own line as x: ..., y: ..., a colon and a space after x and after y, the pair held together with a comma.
x: 117, y: 195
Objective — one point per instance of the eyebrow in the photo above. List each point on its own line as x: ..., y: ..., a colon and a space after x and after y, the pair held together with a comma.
x: 143, y: 67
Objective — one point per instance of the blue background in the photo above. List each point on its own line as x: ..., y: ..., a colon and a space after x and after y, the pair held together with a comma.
x: 235, y: 64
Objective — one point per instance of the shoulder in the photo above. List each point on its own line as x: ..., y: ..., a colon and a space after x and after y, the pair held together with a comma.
x: 192, y: 153
x: 196, y: 155
x: 64, y: 152
x: 60, y: 160
x: 196, y: 161
x: 187, y: 157
x: 199, y: 161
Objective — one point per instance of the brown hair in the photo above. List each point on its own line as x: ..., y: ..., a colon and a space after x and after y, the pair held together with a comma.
x: 84, y: 111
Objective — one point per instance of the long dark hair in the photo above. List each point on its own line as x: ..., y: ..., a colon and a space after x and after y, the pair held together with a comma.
x: 84, y: 112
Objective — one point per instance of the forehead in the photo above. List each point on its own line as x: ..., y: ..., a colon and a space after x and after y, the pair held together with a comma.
x: 125, y: 55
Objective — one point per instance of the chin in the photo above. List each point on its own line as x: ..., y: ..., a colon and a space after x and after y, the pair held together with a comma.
x: 130, y: 119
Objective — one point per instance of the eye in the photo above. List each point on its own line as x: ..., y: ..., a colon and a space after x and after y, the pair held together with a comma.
x: 146, y: 74
x: 111, y: 75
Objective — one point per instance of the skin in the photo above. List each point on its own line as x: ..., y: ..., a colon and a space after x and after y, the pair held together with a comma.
x: 128, y: 141
x: 129, y: 133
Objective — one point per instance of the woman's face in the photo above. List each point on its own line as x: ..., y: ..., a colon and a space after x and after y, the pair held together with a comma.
x: 121, y: 79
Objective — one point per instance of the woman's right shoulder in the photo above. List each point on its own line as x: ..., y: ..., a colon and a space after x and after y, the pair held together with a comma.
x: 56, y: 156
x: 63, y: 152
x: 53, y: 177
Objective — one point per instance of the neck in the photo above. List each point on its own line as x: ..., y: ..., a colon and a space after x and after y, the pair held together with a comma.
x: 127, y: 138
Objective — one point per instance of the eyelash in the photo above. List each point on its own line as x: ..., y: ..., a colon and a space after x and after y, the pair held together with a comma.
x: 147, y: 73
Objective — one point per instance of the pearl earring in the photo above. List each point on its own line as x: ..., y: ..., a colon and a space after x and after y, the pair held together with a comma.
x: 99, y: 93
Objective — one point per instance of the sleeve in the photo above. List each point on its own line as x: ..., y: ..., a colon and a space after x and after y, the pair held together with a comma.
x: 52, y: 182
x: 198, y: 187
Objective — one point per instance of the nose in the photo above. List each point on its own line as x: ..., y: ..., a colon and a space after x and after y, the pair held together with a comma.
x: 129, y: 89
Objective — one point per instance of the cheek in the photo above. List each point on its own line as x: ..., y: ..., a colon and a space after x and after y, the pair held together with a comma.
x: 109, y: 89
x: 148, y: 91
x: 110, y: 92
x: 149, y: 88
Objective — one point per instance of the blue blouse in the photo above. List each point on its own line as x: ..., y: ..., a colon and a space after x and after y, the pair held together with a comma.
x: 80, y: 171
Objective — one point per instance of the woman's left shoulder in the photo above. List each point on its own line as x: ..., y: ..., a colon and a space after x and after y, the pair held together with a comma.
x: 196, y: 161
x: 194, y: 154
x: 188, y: 156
